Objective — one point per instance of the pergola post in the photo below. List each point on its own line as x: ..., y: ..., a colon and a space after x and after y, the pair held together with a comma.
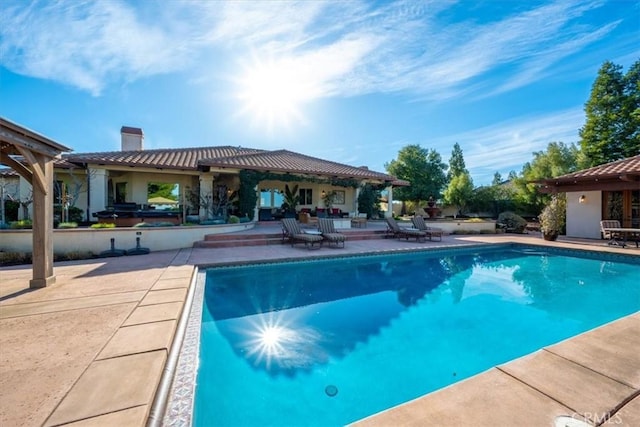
x: 32, y: 156
x: 43, y: 228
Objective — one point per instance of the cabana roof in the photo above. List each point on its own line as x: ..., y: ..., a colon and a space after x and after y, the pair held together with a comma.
x: 620, y: 175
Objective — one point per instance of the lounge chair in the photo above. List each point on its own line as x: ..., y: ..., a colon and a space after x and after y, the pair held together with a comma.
x: 329, y: 233
x: 395, y: 230
x: 418, y: 222
x: 293, y: 232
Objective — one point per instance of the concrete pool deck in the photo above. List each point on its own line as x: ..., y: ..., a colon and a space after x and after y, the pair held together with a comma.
x: 90, y: 350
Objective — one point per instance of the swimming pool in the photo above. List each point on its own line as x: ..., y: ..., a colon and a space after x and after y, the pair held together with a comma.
x: 328, y: 342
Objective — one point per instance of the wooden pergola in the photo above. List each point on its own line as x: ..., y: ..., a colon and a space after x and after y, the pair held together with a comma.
x: 38, y: 154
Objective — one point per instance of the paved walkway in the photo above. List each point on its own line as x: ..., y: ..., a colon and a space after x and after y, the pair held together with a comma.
x: 90, y: 349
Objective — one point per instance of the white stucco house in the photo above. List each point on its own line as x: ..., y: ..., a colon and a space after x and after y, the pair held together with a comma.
x: 100, y: 182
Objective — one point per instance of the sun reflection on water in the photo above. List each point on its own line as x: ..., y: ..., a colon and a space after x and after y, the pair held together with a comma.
x: 274, y: 343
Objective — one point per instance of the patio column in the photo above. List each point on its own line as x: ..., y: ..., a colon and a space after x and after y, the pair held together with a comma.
x: 389, y: 212
x: 355, y: 200
x: 206, y: 195
x: 42, y: 252
x: 256, y: 208
x: 98, y: 182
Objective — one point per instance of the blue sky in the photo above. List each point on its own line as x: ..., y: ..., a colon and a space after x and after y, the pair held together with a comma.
x: 348, y: 81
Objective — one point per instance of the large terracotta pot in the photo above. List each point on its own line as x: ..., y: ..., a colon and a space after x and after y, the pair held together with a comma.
x: 550, y: 235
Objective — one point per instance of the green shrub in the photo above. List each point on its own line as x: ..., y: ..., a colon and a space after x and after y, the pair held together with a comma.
x: 14, y: 258
x: 234, y: 219
x: 73, y: 255
x: 68, y: 225
x: 512, y: 222
x: 74, y: 214
x: 22, y: 224
x: 103, y: 225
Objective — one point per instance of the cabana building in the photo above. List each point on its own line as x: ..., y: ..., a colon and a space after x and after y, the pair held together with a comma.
x: 606, y: 192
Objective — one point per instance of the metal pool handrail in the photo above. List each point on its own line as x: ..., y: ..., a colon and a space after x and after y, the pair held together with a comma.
x: 159, y: 405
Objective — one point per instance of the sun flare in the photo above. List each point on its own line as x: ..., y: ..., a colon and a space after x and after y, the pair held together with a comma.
x: 273, y: 93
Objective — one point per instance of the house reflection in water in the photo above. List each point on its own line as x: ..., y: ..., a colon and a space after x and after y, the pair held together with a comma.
x: 287, y: 318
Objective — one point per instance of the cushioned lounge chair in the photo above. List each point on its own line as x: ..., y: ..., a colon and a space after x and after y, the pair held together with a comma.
x: 395, y: 230
x: 294, y: 233
x: 418, y: 222
x: 329, y: 233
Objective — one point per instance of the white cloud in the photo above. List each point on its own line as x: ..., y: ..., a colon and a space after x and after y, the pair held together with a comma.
x: 84, y: 44
x: 505, y: 146
x: 352, y: 47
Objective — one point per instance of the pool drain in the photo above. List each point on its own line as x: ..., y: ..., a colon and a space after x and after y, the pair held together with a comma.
x: 331, y: 390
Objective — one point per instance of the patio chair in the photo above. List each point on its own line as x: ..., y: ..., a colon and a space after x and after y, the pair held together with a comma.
x: 395, y: 230
x: 418, y: 222
x: 329, y: 233
x: 293, y: 232
x: 612, y: 236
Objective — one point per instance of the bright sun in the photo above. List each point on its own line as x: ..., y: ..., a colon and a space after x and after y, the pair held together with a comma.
x: 272, y: 93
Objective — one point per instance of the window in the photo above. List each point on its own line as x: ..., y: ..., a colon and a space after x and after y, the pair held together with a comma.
x: 306, y: 196
x: 271, y: 198
x: 121, y: 192
x: 58, y: 191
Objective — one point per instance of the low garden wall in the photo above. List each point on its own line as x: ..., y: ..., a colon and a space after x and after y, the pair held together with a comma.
x: 462, y: 226
x: 98, y: 240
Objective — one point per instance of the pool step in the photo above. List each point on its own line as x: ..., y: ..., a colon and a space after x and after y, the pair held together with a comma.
x: 259, y: 239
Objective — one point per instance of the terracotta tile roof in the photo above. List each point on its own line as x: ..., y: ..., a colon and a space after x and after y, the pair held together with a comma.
x: 619, y: 168
x: 8, y: 172
x: 229, y: 157
x: 168, y: 158
x: 288, y: 161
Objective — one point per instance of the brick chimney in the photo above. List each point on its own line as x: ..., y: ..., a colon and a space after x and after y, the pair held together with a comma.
x: 132, y: 139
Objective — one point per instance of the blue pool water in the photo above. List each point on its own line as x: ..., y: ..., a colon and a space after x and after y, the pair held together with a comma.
x: 330, y: 342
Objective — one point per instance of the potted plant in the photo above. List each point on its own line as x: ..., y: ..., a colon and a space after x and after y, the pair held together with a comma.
x: 291, y: 199
x: 552, y: 218
x: 328, y: 198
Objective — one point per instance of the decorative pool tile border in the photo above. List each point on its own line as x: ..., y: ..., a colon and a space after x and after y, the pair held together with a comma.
x: 179, y: 411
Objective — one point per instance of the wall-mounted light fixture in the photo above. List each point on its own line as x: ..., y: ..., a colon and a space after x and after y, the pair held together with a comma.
x: 582, y: 199
x: 323, y: 194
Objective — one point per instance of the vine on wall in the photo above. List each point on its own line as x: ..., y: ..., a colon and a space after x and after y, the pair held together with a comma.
x: 248, y: 196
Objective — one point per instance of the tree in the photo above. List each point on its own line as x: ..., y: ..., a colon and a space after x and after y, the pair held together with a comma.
x: 423, y: 168
x: 611, y: 130
x: 456, y: 163
x: 157, y: 189
x: 460, y: 191
x: 558, y: 159
x: 369, y: 200
x: 631, y: 112
x: 497, y: 179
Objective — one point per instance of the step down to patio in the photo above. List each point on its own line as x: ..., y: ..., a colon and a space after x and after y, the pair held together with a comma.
x: 257, y: 239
